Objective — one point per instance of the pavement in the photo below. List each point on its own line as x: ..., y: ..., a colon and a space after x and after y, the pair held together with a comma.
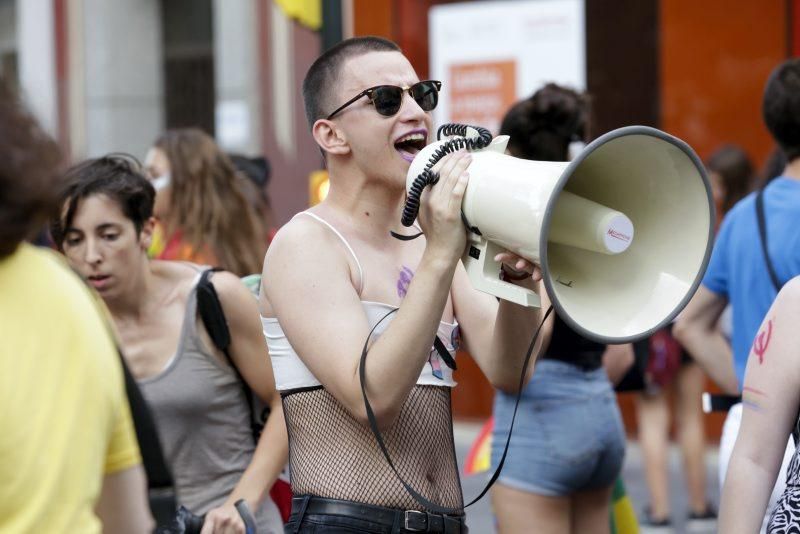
x: 479, y: 515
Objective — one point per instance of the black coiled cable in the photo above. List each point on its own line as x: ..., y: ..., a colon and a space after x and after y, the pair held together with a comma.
x: 428, y: 177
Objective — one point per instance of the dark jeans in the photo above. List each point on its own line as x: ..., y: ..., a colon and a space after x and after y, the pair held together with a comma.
x: 315, y: 515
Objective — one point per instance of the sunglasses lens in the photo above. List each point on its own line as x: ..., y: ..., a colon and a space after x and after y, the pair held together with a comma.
x: 426, y: 94
x: 387, y: 100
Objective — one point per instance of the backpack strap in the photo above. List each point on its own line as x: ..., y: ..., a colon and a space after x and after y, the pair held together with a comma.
x: 213, y: 317
x: 762, y: 232
x: 160, y: 485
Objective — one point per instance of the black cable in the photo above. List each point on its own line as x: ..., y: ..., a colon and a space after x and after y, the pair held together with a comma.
x: 428, y: 177
x: 373, y: 423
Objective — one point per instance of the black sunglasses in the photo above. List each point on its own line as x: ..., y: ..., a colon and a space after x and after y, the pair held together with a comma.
x: 388, y: 99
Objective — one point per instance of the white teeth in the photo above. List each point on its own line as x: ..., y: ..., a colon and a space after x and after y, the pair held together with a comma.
x: 412, y: 137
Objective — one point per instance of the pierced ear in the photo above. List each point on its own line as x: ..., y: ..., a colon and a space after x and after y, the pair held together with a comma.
x: 330, y: 137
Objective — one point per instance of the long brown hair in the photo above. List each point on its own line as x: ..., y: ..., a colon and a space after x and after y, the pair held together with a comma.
x: 207, y: 205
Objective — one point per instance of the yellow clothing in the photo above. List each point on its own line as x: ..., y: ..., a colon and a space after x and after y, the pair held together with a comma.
x: 64, y: 415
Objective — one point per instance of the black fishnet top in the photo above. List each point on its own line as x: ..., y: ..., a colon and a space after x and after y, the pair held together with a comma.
x: 334, y: 456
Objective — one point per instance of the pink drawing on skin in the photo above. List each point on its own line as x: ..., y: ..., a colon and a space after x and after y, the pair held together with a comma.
x: 762, y: 342
x: 436, y: 365
x: 403, y: 281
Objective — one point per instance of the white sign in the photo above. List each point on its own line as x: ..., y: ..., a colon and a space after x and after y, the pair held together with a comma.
x: 491, y: 54
x: 233, y: 124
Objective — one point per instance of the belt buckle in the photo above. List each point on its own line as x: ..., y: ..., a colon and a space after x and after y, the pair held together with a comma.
x: 413, y: 519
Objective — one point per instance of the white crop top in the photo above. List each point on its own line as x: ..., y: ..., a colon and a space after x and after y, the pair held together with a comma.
x: 290, y: 371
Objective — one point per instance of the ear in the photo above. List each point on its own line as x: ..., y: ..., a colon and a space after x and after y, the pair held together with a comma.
x: 330, y: 138
x: 146, y: 235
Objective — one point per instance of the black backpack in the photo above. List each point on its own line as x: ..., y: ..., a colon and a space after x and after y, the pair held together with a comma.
x: 213, y: 317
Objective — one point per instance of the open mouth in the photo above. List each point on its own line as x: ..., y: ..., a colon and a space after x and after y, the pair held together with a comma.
x: 410, y: 144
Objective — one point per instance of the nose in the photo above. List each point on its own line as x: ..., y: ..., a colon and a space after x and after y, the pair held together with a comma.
x: 410, y: 110
x: 92, y: 253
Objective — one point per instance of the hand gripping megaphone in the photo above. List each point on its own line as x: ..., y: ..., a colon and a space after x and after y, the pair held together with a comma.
x: 623, y: 233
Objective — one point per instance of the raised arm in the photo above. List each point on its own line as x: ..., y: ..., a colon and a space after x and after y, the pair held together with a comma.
x: 497, y: 332
x: 770, y: 398
x: 249, y: 353
x: 307, y: 284
x: 696, y: 329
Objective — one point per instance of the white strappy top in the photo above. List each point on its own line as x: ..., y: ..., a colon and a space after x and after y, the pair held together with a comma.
x: 291, y: 373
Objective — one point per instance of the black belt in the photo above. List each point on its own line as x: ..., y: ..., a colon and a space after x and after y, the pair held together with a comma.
x: 408, y: 520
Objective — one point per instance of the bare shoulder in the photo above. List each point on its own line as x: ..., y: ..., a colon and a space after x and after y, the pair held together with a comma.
x: 178, y: 274
x: 229, y: 287
x: 304, y: 261
x: 301, y: 250
x: 299, y: 237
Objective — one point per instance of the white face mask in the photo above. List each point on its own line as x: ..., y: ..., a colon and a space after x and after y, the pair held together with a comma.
x: 161, y: 182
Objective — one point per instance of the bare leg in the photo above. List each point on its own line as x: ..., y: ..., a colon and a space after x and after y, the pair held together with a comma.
x: 590, y: 511
x: 691, y: 433
x: 522, y: 512
x: 652, y: 412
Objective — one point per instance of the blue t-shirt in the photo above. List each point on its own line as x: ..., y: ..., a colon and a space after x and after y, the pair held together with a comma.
x: 737, y: 269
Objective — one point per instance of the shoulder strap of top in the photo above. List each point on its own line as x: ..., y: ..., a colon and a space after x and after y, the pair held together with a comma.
x: 346, y: 244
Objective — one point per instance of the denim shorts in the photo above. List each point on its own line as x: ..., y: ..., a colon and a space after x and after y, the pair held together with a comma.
x: 568, y: 435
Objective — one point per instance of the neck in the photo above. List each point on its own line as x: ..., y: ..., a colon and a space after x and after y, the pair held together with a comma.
x: 131, y: 302
x: 369, y: 202
x: 792, y: 169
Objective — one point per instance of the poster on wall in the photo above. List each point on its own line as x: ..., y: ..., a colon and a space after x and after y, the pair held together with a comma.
x: 490, y: 54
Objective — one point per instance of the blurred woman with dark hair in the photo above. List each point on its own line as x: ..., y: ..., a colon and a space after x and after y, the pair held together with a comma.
x: 568, y: 445
x: 205, y: 215
x: 732, y: 177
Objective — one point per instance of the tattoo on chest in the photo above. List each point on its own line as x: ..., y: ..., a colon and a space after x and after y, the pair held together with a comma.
x: 403, y: 281
x: 762, y: 340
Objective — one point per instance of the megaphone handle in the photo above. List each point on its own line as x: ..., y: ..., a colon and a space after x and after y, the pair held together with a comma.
x: 247, y: 516
x: 484, y: 273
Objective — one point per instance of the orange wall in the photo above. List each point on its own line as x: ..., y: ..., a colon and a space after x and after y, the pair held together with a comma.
x: 715, y: 58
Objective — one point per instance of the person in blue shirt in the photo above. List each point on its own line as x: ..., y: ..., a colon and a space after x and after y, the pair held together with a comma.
x: 738, y: 272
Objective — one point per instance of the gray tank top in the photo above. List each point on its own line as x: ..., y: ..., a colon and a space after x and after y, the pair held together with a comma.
x: 203, y: 421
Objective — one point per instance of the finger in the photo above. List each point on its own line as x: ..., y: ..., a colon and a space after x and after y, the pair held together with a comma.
x: 454, y: 164
x: 523, y: 265
x: 457, y: 195
x: 442, y: 163
x: 459, y: 168
x: 208, y: 525
x: 235, y: 526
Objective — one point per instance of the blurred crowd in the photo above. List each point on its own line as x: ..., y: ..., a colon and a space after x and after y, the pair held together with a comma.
x: 147, y: 369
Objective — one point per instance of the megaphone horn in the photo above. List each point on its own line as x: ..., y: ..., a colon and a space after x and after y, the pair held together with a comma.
x: 623, y: 233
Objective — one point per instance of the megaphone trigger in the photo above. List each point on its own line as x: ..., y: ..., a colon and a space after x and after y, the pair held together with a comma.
x: 485, y: 273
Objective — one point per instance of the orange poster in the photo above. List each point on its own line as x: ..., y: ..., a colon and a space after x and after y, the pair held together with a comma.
x: 481, y: 93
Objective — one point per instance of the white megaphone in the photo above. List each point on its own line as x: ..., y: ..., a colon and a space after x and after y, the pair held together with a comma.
x: 623, y: 233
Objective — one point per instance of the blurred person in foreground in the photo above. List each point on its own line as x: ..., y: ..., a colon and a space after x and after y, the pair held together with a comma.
x: 69, y: 461
x: 203, y: 212
x: 568, y: 444
x: 195, y: 392
x: 333, y: 272
x: 674, y: 371
x: 738, y: 274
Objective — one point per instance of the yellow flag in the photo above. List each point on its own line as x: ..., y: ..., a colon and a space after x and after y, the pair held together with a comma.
x: 307, y: 12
